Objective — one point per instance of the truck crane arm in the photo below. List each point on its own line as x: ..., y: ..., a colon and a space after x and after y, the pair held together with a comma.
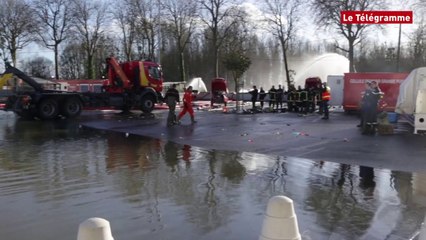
x: 33, y: 83
x: 114, y: 66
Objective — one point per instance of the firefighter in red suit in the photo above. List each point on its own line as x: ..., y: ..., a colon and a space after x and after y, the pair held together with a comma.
x: 187, y: 105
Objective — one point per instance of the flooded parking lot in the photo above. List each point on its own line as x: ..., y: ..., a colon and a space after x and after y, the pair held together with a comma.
x: 54, y: 175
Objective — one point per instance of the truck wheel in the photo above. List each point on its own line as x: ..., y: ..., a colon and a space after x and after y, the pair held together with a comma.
x: 148, y: 103
x: 71, y: 108
x: 48, y: 108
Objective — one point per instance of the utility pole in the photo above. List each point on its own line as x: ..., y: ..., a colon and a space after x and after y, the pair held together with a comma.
x: 399, y: 49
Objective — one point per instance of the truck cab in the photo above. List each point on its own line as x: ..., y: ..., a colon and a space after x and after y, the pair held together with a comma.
x: 133, y: 84
x: 219, y: 89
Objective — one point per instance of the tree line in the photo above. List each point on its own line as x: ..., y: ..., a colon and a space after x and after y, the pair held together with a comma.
x: 197, y: 38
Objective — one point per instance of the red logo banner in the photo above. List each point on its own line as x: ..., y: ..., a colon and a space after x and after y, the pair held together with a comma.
x: 376, y: 17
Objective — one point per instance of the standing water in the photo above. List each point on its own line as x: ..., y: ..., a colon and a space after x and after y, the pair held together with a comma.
x: 54, y: 175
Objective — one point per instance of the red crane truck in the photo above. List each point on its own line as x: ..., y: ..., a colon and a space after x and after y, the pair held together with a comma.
x: 134, y: 84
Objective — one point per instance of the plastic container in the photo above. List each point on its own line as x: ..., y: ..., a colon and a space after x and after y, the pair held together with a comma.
x: 392, y: 117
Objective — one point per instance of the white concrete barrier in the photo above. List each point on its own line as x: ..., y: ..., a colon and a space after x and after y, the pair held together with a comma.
x: 94, y: 229
x: 280, y: 222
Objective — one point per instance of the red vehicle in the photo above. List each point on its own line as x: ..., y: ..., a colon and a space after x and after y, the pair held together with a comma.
x: 130, y: 85
x: 354, y: 86
x: 313, y: 83
x: 219, y: 89
x: 141, y: 76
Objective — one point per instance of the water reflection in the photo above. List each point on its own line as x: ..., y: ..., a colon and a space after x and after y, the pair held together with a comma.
x: 186, y: 153
x: 338, y: 204
x: 366, y: 181
x: 54, y: 174
x: 232, y: 169
x: 132, y: 152
x: 171, y: 155
x: 419, y: 189
x: 277, y: 176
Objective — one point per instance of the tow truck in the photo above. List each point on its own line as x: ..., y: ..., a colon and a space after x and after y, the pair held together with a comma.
x: 130, y: 85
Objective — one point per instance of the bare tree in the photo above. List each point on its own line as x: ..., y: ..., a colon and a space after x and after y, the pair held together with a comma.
x: 219, y: 16
x: 328, y: 15
x: 4, y: 52
x: 146, y: 18
x: 17, y: 25
x: 281, y: 19
x: 417, y: 44
x: 54, y: 20
x: 419, y: 5
x: 122, y: 14
x: 235, y: 51
x: 38, y: 67
x: 181, y: 19
x: 71, y: 65
x: 90, y: 19
x: 107, y: 47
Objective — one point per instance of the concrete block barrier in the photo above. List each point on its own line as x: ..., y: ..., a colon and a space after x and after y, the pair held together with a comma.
x: 94, y: 229
x: 280, y: 222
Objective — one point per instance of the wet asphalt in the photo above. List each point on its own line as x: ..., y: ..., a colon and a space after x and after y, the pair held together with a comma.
x: 281, y: 134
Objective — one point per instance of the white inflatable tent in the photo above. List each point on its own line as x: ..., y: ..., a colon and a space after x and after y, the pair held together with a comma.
x: 406, y: 103
x: 412, y: 98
